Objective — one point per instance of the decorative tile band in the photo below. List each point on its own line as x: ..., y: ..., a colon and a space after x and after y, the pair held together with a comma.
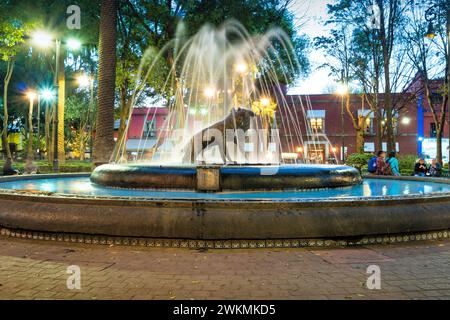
x: 223, y: 244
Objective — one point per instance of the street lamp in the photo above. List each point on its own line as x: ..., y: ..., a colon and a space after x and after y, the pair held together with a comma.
x: 265, y: 102
x: 73, y: 44
x: 31, y: 96
x: 42, y: 39
x: 45, y: 40
x: 86, y: 81
x: 241, y: 67
x: 342, y: 90
x: 209, y: 92
x: 406, y: 120
x: 47, y: 95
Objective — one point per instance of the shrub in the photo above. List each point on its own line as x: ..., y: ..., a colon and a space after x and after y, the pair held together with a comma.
x: 44, y: 167
x: 407, y: 162
x: 358, y: 160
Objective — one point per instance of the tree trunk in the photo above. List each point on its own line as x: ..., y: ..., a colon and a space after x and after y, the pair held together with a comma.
x: 30, y: 150
x: 82, y: 147
x: 360, y: 135
x: 61, y: 108
x: 104, y: 136
x: 387, y: 79
x: 439, y: 146
x: 125, y: 105
x: 47, y: 133
x: 9, y: 71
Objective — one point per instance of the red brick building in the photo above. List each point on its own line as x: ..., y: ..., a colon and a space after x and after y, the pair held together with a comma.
x: 146, y: 125
x: 323, y: 128
x: 311, y: 127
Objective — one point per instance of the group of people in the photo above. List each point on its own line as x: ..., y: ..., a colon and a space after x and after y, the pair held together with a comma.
x: 421, y: 169
x: 380, y: 165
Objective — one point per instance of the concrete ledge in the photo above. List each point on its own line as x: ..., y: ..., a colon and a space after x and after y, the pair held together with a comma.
x: 230, y: 177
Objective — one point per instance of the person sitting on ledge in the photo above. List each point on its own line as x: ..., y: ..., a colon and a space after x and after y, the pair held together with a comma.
x: 392, y: 168
x: 420, y: 168
x: 435, y: 168
x: 380, y: 163
x: 8, y: 169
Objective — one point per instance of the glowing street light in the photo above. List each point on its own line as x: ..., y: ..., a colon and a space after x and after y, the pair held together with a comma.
x: 84, y: 81
x: 406, y: 120
x: 265, y: 102
x: 241, y: 67
x: 31, y: 95
x: 47, y: 94
x: 42, y: 39
x: 342, y: 89
x: 73, y: 44
x: 209, y: 92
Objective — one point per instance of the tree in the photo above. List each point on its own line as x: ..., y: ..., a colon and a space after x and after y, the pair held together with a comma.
x: 104, y: 135
x: 377, y: 59
x: 428, y: 57
x: 339, y: 47
x: 11, y: 37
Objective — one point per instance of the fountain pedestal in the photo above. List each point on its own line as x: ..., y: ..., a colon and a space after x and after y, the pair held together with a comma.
x: 208, y: 178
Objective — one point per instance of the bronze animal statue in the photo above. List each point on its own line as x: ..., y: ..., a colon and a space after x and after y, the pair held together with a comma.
x: 237, y: 119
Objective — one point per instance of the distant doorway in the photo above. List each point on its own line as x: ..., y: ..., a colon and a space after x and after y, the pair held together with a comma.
x: 316, y: 153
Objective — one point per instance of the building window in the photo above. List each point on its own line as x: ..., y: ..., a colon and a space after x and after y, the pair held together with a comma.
x: 317, y: 125
x: 436, y: 99
x: 433, y: 131
x: 150, y: 129
x: 369, y: 126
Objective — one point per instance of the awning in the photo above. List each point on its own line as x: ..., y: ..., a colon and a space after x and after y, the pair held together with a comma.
x: 315, y: 114
x: 140, y: 144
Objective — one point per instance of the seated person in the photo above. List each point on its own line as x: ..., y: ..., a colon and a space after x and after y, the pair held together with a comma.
x: 420, y: 168
x: 380, y: 163
x: 435, y: 168
x: 8, y: 169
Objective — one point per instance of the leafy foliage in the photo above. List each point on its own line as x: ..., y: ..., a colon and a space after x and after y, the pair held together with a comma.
x: 358, y: 160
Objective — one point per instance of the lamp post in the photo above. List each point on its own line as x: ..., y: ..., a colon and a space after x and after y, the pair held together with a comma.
x: 342, y: 91
x: 44, y: 40
x: 31, y: 96
x: 86, y: 81
x: 47, y: 95
x: 56, y: 113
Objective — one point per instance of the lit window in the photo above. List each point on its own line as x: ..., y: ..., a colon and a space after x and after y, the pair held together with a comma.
x: 316, y: 124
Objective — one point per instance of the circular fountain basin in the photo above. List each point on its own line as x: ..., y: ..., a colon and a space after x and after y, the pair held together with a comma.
x: 230, y: 177
x: 72, y: 204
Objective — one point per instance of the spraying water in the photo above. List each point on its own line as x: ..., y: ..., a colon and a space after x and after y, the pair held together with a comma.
x: 215, y: 75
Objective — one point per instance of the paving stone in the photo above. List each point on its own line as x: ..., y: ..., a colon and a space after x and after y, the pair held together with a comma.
x: 38, y: 270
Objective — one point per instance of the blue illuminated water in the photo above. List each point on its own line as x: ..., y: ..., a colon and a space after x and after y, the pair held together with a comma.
x: 369, y: 188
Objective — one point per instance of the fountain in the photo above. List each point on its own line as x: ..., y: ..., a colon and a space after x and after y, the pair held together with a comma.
x: 217, y: 177
x: 229, y: 122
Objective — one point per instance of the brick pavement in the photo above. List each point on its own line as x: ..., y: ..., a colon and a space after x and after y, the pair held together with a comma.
x: 37, y: 270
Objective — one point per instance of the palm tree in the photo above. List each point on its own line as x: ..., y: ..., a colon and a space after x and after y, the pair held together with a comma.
x: 104, y: 136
